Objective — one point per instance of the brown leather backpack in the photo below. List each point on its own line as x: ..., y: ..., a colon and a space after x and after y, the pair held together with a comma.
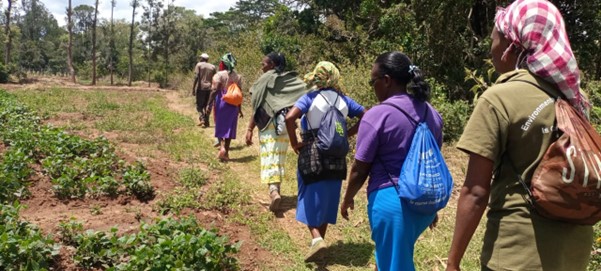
x: 566, y: 184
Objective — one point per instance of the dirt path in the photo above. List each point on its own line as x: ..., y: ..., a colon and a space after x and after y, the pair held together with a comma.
x: 246, y: 165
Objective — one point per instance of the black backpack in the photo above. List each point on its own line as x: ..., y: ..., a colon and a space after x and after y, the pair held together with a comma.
x: 331, y: 137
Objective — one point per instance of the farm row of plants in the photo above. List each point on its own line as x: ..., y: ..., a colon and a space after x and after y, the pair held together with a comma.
x: 168, y: 244
x: 79, y: 168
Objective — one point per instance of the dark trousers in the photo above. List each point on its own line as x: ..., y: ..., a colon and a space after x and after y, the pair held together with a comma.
x: 202, y: 99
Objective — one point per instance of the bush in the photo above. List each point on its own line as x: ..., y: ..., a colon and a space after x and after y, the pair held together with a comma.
x: 137, y: 182
x: 594, y: 91
x: 23, y: 245
x: 3, y: 74
x: 454, y: 114
x: 167, y: 245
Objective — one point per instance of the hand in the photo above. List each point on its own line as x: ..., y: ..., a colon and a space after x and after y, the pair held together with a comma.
x: 298, y: 146
x: 452, y: 268
x: 249, y: 137
x: 434, y: 222
x: 193, y: 92
x: 345, y: 206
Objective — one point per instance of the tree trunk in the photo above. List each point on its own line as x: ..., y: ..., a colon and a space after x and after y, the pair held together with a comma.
x: 134, y: 4
x: 111, y: 64
x: 8, y: 34
x: 598, y: 70
x: 94, y: 43
x: 148, y: 48
x: 70, y: 45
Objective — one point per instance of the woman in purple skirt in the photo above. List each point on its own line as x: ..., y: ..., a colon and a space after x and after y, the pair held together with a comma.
x: 226, y: 115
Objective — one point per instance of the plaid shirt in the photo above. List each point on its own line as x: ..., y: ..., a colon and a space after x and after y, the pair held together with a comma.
x: 538, y: 28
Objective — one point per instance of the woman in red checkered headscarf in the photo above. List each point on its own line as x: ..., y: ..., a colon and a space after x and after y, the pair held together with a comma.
x: 536, y: 31
x: 507, y: 135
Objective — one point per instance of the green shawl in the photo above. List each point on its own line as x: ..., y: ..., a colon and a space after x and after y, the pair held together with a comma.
x: 274, y: 92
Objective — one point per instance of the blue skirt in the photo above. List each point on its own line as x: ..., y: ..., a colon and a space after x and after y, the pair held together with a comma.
x: 318, y: 202
x: 394, y: 229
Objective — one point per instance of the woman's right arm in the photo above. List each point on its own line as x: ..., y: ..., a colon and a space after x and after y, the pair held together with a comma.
x: 291, y: 118
x: 249, y: 131
x: 472, y: 203
x: 359, y: 172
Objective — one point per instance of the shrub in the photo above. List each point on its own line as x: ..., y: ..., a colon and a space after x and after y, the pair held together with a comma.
x: 168, y: 244
x: 23, y: 245
x: 3, y: 74
x: 454, y: 114
x: 594, y: 92
x: 137, y: 181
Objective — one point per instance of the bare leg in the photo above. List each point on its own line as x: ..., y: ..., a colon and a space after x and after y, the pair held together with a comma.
x: 228, y: 141
x: 322, y: 230
x: 315, y: 232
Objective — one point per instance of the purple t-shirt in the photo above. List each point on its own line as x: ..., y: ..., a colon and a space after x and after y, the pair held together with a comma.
x: 385, y: 136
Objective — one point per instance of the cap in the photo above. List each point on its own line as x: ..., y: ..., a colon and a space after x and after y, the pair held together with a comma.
x: 204, y: 55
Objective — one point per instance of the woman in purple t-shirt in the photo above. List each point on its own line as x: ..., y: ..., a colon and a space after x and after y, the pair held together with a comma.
x: 383, y: 140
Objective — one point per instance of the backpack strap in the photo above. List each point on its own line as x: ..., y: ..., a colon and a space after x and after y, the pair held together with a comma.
x: 528, y: 198
x: 415, y: 122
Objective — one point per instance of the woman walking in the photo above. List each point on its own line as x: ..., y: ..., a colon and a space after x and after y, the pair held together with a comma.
x: 272, y: 96
x: 507, y: 135
x: 226, y: 115
x: 318, y: 201
x: 383, y: 141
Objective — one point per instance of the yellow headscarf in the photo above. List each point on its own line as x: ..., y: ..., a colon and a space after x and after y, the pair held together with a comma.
x: 325, y: 75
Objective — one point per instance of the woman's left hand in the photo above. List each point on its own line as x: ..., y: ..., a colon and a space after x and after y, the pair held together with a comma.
x: 434, y: 222
x: 298, y: 146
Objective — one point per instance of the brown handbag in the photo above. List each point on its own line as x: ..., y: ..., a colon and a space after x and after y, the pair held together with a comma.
x: 566, y: 183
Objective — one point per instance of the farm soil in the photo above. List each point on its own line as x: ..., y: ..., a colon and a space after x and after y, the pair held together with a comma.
x: 123, y: 212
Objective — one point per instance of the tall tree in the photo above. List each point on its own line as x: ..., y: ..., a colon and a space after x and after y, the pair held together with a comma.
x: 112, y: 42
x: 40, y: 45
x: 83, y: 22
x: 151, y: 18
x: 8, y: 33
x: 70, y: 45
x: 94, y: 43
x: 134, y: 5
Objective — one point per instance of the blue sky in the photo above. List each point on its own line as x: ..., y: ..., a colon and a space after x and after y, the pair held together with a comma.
x: 123, y: 9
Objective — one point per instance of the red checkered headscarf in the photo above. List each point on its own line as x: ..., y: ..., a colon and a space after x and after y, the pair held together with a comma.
x: 538, y: 28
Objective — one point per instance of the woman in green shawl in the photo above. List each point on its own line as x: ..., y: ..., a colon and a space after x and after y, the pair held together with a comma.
x: 272, y: 95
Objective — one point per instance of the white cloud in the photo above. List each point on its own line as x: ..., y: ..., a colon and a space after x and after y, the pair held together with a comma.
x: 123, y: 8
